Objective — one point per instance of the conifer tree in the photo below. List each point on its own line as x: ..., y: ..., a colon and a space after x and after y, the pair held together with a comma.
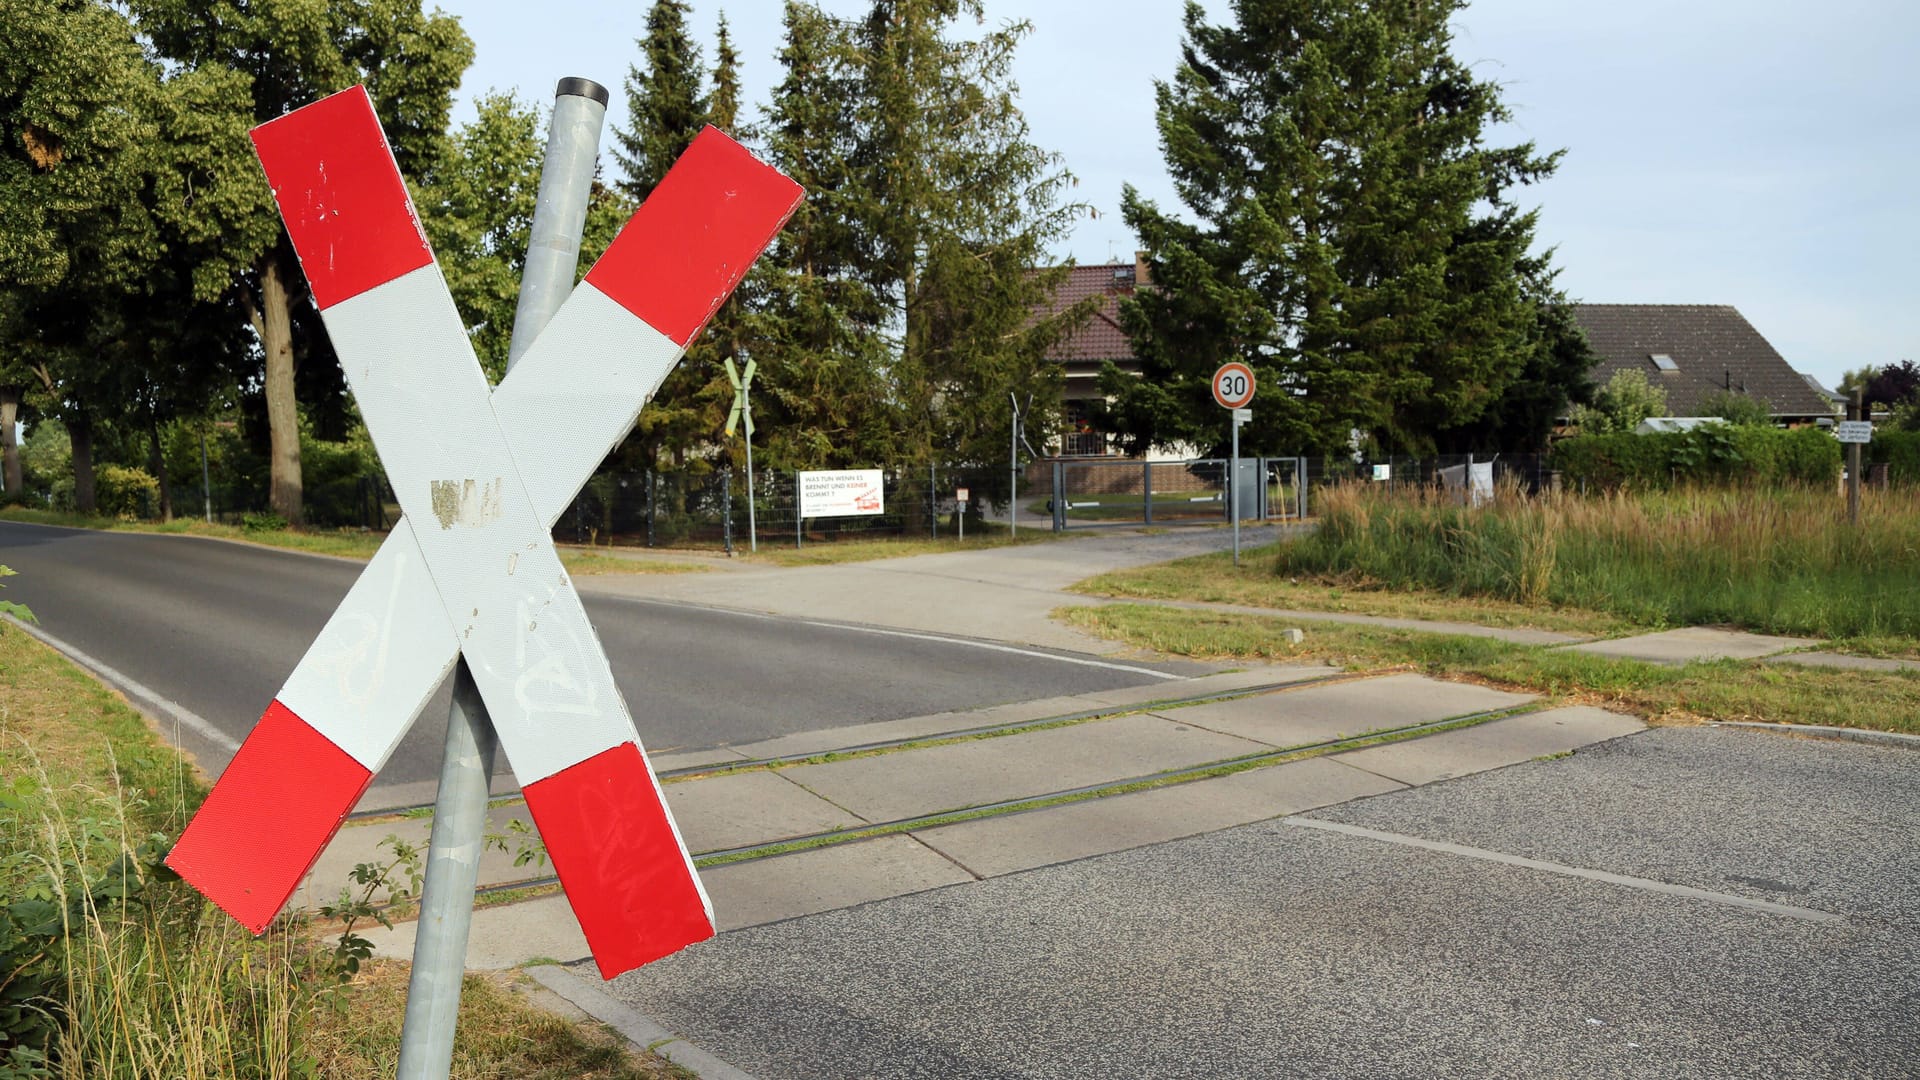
x: 822, y: 395
x: 665, y: 107
x: 1357, y: 241
x: 957, y: 210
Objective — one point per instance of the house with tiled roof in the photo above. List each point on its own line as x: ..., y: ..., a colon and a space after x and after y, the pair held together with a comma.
x: 1694, y: 351
x: 1098, y: 340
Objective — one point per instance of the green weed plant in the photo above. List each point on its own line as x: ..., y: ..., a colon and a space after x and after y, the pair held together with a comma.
x: 1771, y: 559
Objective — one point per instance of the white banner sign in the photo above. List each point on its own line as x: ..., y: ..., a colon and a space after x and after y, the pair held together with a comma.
x: 847, y: 493
x: 1854, y: 431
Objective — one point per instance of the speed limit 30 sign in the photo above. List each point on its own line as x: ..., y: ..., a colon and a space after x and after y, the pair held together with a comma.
x: 1233, y: 385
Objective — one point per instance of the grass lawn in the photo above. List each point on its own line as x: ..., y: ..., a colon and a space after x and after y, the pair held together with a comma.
x: 344, y: 543
x: 1716, y: 690
x: 827, y: 552
x: 116, y: 969
x: 1213, y: 578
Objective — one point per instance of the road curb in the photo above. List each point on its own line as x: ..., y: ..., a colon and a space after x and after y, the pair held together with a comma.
x: 1877, y: 738
x: 635, y: 1026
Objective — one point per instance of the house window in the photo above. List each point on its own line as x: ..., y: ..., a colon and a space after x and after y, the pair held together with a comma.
x: 1664, y: 362
x: 1079, y: 438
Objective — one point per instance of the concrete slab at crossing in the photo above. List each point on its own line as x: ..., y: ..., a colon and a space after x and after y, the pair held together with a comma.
x: 976, y: 772
x: 1003, y: 845
x: 822, y: 879
x: 1317, y: 713
x: 1491, y: 745
x: 740, y: 809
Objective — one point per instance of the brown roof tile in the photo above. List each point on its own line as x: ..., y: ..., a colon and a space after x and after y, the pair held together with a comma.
x: 1712, y: 347
x: 1100, y: 337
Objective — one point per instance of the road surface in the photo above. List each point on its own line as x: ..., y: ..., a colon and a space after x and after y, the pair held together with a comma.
x: 214, y: 627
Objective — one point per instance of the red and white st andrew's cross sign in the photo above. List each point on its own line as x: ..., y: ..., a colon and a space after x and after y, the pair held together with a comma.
x: 471, y: 570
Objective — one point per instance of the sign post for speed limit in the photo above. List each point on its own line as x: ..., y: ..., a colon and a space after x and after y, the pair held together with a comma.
x: 1233, y: 391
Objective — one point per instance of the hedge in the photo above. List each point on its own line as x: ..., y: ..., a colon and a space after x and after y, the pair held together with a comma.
x: 1713, y: 453
x: 1900, y: 451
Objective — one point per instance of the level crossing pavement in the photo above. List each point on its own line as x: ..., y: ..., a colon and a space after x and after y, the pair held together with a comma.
x: 1258, y: 922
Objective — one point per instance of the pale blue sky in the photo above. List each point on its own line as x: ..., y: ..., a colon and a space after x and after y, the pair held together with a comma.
x: 1759, y: 153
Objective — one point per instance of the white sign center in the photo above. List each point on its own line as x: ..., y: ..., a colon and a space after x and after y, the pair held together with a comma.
x: 843, y: 493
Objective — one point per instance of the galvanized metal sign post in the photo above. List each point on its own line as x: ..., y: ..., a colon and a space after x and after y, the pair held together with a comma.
x: 1233, y: 391
x: 470, y: 573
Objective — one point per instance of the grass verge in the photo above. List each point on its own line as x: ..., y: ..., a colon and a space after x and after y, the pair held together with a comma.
x: 346, y: 543
x: 1775, y: 560
x: 828, y: 552
x: 111, y: 967
x: 501, y: 1034
x: 343, y: 543
x: 1213, y: 578
x: 1715, y: 690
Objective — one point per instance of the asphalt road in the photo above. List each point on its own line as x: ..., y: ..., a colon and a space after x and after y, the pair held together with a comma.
x: 1286, y: 950
x: 215, y: 627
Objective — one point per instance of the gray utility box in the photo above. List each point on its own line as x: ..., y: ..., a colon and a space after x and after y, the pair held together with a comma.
x: 1247, y: 493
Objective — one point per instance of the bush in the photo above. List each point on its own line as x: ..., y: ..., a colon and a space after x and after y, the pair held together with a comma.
x: 1900, y: 452
x: 1712, y: 453
x: 125, y: 493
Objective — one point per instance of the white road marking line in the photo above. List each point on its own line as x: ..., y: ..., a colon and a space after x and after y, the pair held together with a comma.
x: 1646, y: 884
x: 882, y: 631
x: 184, y: 716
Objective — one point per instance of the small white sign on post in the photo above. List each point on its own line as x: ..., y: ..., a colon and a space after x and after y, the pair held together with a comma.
x: 960, y: 495
x: 1243, y: 416
x: 1854, y: 431
x: 1383, y: 472
x: 841, y: 493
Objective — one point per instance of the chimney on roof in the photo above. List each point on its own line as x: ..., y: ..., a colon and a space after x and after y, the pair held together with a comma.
x: 1140, y: 275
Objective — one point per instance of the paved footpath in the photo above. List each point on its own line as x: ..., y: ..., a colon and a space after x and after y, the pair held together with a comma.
x: 1273, y: 871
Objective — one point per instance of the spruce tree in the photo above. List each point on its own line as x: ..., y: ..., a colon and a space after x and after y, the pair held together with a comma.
x: 822, y: 396
x: 958, y: 208
x: 1358, y: 243
x: 665, y: 108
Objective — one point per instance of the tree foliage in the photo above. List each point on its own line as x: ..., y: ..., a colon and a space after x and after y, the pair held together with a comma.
x: 1621, y: 405
x: 290, y: 53
x: 1352, y: 237
x: 476, y: 202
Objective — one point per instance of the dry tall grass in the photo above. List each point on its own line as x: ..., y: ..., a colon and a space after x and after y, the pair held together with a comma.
x: 1781, y: 560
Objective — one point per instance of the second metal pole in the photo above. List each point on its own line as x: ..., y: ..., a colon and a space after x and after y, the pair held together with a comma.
x: 1233, y: 486
x: 466, y: 769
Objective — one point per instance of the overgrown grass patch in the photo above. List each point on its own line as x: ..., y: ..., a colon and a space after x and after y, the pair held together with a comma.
x: 1709, y: 690
x: 110, y: 967
x: 1777, y: 560
x: 1213, y: 578
x: 501, y: 1034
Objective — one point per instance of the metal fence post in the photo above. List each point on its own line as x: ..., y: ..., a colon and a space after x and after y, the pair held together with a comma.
x: 726, y: 510
x: 460, y: 806
x: 1059, y: 500
x: 653, y: 500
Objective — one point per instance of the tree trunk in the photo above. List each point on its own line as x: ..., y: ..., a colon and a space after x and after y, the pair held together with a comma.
x: 11, y: 476
x: 157, y: 467
x: 283, y: 415
x: 80, y: 432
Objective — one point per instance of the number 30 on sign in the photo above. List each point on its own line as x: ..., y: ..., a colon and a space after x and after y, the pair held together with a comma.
x: 1233, y: 385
